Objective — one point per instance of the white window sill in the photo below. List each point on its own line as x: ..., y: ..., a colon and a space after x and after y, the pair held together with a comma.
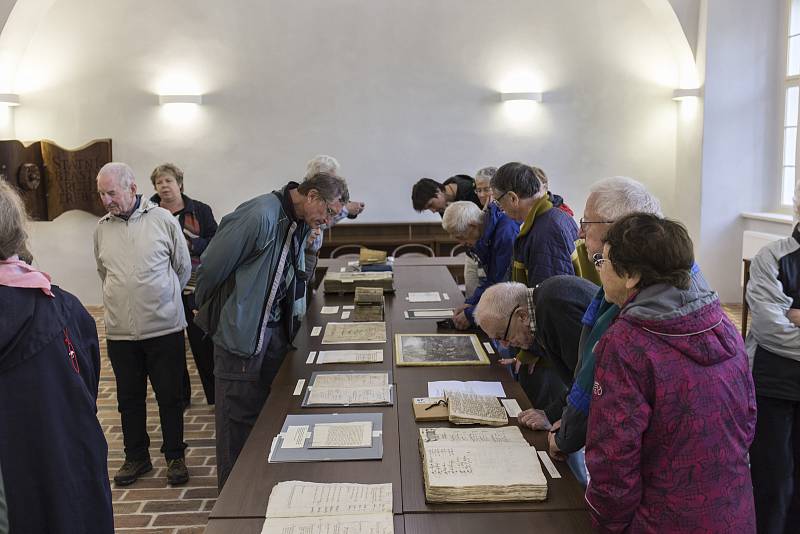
x: 780, y: 218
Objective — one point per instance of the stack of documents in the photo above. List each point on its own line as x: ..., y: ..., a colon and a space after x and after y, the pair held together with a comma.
x: 368, y: 256
x: 296, y: 507
x: 480, y: 465
x: 349, y: 389
x: 467, y: 408
x: 347, y: 282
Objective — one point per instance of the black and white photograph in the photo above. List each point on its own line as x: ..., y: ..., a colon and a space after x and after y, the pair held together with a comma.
x: 439, y: 349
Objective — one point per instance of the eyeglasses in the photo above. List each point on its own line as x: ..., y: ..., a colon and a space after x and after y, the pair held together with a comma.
x: 599, y: 260
x: 585, y: 223
x: 508, y: 326
x: 498, y: 199
x: 330, y: 211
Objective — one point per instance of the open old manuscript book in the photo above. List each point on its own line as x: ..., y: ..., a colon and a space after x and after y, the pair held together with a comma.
x: 296, y: 507
x: 480, y: 465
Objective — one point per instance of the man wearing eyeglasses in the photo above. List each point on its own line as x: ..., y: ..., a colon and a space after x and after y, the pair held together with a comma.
x: 251, y: 293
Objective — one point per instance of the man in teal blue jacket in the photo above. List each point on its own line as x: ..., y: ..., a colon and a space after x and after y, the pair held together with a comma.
x: 250, y: 293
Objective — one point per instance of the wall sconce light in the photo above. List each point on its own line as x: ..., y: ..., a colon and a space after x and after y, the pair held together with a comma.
x: 180, y: 99
x: 530, y: 97
x: 679, y: 95
x: 9, y: 99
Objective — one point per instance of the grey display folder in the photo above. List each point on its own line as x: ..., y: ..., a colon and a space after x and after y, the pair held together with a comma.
x: 283, y: 451
x: 349, y: 388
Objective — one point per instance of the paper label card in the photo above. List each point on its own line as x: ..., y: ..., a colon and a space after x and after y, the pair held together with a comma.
x: 299, y: 387
x: 511, y: 406
x: 548, y: 464
x: 427, y: 296
x: 317, y: 330
x: 329, y: 310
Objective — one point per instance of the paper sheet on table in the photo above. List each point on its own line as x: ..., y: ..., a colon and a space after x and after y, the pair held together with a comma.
x: 350, y: 396
x: 349, y: 380
x: 511, y: 406
x: 297, y: 499
x: 342, y: 435
x: 295, y: 437
x: 350, y: 356
x: 333, y: 524
x: 437, y: 389
x: 428, y: 296
x: 329, y: 310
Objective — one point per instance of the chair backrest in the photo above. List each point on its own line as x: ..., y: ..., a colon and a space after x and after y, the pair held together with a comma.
x: 349, y: 252
x: 458, y: 250
x: 414, y: 249
x: 745, y: 307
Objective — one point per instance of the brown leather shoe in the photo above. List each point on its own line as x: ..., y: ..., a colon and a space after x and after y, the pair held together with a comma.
x: 177, y: 473
x: 131, y: 470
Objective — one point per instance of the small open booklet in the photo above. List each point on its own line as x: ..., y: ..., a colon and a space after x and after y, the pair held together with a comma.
x: 467, y: 408
x: 296, y: 507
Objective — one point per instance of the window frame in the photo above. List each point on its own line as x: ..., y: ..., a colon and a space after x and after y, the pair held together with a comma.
x: 789, y: 81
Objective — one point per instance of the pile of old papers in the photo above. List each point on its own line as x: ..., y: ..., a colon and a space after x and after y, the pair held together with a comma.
x: 296, y: 507
x: 347, y: 282
x: 467, y: 408
x: 349, y: 389
x: 480, y: 465
x: 349, y: 333
x: 368, y: 256
x: 369, y: 304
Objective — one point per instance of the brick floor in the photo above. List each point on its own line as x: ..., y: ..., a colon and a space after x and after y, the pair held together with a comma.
x: 150, y: 505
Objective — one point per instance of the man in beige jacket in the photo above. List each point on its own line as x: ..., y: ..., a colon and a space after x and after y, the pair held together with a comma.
x: 143, y: 263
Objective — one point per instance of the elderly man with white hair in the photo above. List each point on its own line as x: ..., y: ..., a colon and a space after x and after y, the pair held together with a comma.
x: 489, y: 235
x: 144, y: 263
x: 773, y: 345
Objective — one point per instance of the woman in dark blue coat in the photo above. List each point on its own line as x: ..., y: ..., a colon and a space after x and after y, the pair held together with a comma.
x: 52, y: 449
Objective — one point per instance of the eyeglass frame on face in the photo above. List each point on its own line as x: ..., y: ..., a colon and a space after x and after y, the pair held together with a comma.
x: 599, y: 260
x: 583, y: 224
x: 508, y: 326
x: 497, y: 200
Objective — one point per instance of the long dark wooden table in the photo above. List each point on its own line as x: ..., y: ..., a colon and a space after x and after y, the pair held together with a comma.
x: 242, y: 504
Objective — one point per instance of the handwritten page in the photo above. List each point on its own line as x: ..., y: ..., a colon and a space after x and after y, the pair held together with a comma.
x: 328, y: 310
x: 437, y: 389
x: 341, y: 333
x: 348, y: 524
x: 349, y: 380
x: 350, y: 356
x: 295, y: 437
x: 352, y: 395
x: 428, y: 296
x: 342, y: 435
x: 298, y: 499
x: 468, y: 408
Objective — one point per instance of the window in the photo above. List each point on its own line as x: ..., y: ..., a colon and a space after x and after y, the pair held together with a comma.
x: 790, y: 115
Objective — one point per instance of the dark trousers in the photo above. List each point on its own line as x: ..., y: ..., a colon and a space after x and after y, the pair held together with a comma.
x: 243, y: 386
x: 202, y: 352
x: 163, y: 360
x: 775, y: 466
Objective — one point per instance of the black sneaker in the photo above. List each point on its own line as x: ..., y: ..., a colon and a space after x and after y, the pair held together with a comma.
x: 177, y: 473
x: 131, y: 470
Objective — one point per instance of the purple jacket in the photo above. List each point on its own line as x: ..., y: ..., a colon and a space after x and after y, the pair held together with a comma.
x: 672, y: 417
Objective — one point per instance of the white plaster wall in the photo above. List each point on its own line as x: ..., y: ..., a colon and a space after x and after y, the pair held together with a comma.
x: 741, y: 123
x: 396, y: 90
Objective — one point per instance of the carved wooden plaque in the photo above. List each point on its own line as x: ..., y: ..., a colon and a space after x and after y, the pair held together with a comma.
x: 52, y: 179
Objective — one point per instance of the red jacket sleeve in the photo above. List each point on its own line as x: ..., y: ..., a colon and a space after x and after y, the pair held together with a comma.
x: 618, y: 416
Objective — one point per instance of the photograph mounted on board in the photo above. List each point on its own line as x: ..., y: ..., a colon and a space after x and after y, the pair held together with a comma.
x: 439, y: 349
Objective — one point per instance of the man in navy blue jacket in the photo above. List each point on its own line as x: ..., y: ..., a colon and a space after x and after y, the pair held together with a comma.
x: 490, y: 236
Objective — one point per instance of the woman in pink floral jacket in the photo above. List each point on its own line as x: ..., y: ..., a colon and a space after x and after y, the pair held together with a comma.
x: 673, y: 406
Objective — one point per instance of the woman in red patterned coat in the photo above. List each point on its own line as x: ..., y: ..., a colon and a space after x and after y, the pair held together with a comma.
x: 673, y: 405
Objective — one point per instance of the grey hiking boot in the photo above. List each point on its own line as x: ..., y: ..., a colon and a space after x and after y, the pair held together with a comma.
x: 177, y: 473
x: 131, y: 470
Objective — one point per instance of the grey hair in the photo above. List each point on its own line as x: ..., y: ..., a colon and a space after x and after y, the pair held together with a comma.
x: 486, y: 173
x: 459, y: 216
x: 13, y: 223
x: 122, y: 172
x: 321, y: 164
x: 498, y: 301
x: 618, y: 196
x: 797, y: 201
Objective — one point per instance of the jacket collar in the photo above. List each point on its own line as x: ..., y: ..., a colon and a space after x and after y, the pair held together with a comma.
x: 188, y: 203
x: 540, y: 206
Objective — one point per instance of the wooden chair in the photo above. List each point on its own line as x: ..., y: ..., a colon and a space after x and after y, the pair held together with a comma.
x: 346, y: 252
x: 414, y: 249
x: 458, y: 250
x: 745, y: 307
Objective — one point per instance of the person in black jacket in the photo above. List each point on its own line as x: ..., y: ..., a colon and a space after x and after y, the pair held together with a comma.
x: 52, y: 448
x: 199, y: 226
x: 430, y: 195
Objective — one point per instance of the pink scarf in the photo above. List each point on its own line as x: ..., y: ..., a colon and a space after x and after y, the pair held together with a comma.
x: 16, y: 273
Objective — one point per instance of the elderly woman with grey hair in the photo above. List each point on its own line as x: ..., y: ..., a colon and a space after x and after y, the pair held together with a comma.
x: 52, y: 449
x: 489, y: 237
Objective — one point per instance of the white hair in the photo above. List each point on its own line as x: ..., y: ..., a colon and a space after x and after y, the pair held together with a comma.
x: 797, y: 201
x: 498, y: 301
x: 486, y: 174
x: 121, y: 172
x: 322, y: 164
x: 459, y: 216
x: 618, y: 196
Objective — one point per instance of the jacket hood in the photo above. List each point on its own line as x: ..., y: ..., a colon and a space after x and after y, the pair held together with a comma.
x: 35, y: 321
x: 691, y: 321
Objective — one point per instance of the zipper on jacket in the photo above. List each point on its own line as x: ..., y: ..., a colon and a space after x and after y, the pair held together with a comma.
x: 73, y: 356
